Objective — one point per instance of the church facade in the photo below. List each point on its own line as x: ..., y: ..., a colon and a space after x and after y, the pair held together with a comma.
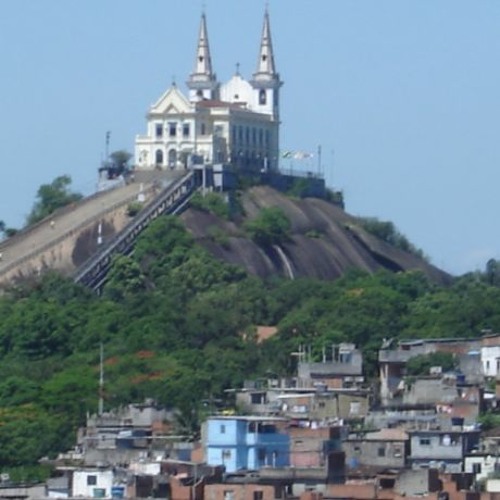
x: 234, y: 123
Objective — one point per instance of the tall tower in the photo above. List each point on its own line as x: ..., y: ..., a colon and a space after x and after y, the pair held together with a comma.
x: 202, y: 82
x: 266, y: 81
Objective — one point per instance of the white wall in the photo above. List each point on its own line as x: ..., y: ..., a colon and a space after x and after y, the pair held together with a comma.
x: 81, y: 488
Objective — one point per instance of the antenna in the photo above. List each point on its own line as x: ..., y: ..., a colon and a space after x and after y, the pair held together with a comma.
x: 101, y: 381
x: 108, y: 136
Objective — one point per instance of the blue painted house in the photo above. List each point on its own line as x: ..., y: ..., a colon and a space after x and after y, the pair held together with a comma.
x: 246, y: 442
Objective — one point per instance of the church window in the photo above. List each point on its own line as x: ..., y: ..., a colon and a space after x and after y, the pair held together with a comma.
x: 240, y: 133
x: 185, y: 130
x: 247, y: 135
x: 254, y: 136
x: 159, y: 157
x: 203, y: 130
x: 200, y: 58
x: 172, y: 158
x: 260, y: 137
x: 172, y: 129
x: 264, y: 57
x: 199, y: 93
x: 159, y: 130
x: 268, y: 137
x: 262, y: 96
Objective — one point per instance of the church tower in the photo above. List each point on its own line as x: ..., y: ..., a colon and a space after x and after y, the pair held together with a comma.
x: 266, y: 81
x: 202, y: 82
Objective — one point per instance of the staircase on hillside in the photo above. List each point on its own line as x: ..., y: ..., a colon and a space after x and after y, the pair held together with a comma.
x: 171, y: 200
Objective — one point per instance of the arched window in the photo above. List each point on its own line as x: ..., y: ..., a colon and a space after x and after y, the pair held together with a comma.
x: 172, y: 158
x: 159, y: 157
x: 262, y: 96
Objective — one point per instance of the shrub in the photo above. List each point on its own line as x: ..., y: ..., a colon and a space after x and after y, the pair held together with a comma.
x: 134, y: 208
x: 271, y: 226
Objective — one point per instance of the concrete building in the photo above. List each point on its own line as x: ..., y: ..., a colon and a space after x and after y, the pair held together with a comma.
x: 443, y: 449
x: 384, y: 449
x: 392, y: 362
x: 216, y: 123
x: 342, y: 367
x: 92, y: 483
x: 246, y: 443
x: 490, y: 355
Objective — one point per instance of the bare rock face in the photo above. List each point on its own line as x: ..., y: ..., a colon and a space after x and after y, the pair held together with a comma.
x: 325, y: 241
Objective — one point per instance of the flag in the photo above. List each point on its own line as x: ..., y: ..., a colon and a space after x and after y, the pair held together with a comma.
x: 302, y: 155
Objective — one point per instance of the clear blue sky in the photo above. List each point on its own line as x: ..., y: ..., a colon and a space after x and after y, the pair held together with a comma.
x: 403, y: 96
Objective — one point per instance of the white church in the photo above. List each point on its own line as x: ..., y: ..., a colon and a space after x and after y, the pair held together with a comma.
x: 233, y: 123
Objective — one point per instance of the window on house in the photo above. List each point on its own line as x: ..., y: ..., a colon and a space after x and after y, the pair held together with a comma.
x: 381, y: 452
x: 228, y: 495
x: 91, y: 480
x: 203, y: 129
x: 321, y: 404
x: 258, y: 398
x: 185, y: 130
x: 159, y: 157
x: 261, y: 454
x: 476, y: 468
x: 355, y: 408
x: 172, y: 129
x: 258, y: 495
x: 357, y: 450
x: 397, y: 452
x: 226, y: 454
x: 159, y: 130
x: 222, y: 429
x: 425, y: 442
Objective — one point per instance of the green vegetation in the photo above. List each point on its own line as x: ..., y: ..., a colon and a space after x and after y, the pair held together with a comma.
x: 134, y: 208
x: 270, y: 227
x: 51, y: 197
x: 211, y: 202
x: 120, y: 160
x: 176, y: 325
x: 388, y: 232
x: 421, y: 365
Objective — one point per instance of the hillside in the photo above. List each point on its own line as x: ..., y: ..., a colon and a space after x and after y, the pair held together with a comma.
x: 325, y: 241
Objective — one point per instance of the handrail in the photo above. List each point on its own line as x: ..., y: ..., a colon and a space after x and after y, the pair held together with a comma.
x: 171, y: 200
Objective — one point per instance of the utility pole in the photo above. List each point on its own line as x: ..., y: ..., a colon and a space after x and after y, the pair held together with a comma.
x: 101, y: 381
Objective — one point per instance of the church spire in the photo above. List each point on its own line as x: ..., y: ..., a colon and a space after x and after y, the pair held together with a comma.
x: 202, y: 82
x: 266, y: 69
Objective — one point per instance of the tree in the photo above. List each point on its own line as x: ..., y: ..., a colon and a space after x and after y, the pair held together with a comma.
x: 120, y: 159
x: 388, y: 232
x: 270, y: 227
x: 50, y: 197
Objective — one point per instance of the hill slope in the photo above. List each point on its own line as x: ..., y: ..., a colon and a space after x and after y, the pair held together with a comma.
x: 325, y: 241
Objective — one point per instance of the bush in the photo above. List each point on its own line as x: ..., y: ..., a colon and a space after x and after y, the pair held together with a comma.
x: 270, y: 227
x: 211, y: 202
x: 420, y: 365
x: 134, y: 208
x: 387, y: 231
